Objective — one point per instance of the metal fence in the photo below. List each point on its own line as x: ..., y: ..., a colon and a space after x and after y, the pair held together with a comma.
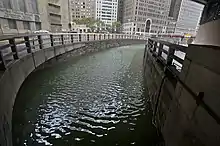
x: 16, y: 47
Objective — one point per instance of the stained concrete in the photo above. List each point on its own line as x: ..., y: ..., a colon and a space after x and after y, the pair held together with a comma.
x: 181, y: 120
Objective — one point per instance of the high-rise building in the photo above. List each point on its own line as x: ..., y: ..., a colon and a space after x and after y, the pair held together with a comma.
x: 19, y: 16
x: 55, y: 15
x: 120, y: 10
x: 82, y: 9
x: 107, y: 11
x: 145, y: 16
x: 188, y: 17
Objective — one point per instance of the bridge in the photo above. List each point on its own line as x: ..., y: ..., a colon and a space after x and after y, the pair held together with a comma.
x: 181, y: 82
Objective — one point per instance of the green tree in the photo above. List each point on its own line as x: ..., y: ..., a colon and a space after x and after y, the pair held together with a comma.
x: 116, y: 26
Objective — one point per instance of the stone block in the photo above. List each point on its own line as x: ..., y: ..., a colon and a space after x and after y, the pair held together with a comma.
x: 185, y: 69
x: 201, y: 79
x: 39, y: 57
x: 208, y: 56
x: 210, y: 130
x: 49, y: 53
x: 175, y: 125
x: 187, y: 103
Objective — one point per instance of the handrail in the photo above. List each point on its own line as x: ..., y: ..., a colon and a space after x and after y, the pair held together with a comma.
x: 12, y: 45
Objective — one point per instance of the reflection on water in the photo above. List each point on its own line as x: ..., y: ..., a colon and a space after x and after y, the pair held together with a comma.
x: 92, y: 100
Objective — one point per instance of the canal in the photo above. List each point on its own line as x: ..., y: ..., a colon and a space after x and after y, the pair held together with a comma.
x: 97, y: 99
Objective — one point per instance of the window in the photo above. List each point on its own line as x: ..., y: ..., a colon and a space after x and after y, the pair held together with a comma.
x: 38, y: 25
x: 26, y: 25
x: 22, y: 6
x: 7, y: 4
x: 12, y: 24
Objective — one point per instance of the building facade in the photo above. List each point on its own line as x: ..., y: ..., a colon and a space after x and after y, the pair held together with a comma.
x: 106, y: 11
x: 19, y: 16
x: 55, y: 15
x: 188, y: 17
x: 82, y: 9
x: 144, y: 17
x: 120, y: 10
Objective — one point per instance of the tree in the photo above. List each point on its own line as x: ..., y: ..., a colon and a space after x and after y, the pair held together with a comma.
x: 91, y: 23
x: 116, y: 26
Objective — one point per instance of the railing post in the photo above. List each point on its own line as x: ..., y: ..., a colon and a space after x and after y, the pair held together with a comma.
x: 100, y: 36
x: 160, y: 50
x: 87, y: 37
x: 51, y: 40
x: 104, y: 36
x: 3, y: 64
x: 40, y: 41
x: 62, y: 39
x: 14, y: 48
x: 94, y: 37
x: 80, y: 37
x: 71, y: 38
x: 169, y: 56
x: 27, y: 43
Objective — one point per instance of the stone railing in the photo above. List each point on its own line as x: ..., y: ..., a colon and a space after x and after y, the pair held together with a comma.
x: 15, y: 47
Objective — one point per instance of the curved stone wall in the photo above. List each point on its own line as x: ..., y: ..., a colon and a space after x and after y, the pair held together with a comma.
x: 12, y: 78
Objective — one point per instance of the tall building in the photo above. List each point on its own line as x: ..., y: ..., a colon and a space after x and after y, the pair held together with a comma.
x: 19, y: 16
x: 107, y: 11
x: 55, y: 15
x: 120, y: 10
x: 82, y: 9
x: 145, y: 16
x: 188, y: 17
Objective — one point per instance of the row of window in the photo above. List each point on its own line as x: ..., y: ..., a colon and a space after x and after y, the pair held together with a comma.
x: 26, y: 24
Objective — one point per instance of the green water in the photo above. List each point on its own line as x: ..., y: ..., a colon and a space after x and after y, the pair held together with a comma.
x: 96, y: 99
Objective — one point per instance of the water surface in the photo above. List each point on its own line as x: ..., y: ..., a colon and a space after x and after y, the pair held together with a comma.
x: 95, y: 99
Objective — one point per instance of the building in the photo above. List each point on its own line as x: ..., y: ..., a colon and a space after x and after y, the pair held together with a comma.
x: 188, y: 17
x: 145, y: 17
x: 19, y: 16
x: 107, y: 11
x: 81, y: 28
x: 82, y: 9
x: 55, y: 15
x: 120, y: 11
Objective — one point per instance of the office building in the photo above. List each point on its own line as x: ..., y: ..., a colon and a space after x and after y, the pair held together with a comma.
x: 107, y: 11
x: 55, y: 15
x: 145, y: 17
x: 82, y: 9
x: 188, y: 17
x: 19, y: 16
x: 120, y: 10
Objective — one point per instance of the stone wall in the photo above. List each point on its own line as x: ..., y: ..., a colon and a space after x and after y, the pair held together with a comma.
x: 183, y: 120
x: 15, y: 75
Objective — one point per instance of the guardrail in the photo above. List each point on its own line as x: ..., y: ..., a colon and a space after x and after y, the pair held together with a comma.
x: 15, y: 47
x: 167, y: 54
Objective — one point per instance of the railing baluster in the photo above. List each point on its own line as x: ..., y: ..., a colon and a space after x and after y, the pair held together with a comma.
x: 72, y: 41
x: 40, y: 41
x: 169, y: 56
x: 14, y: 48
x: 62, y: 39
x: 80, y: 37
x: 51, y: 40
x: 27, y: 43
x: 2, y: 59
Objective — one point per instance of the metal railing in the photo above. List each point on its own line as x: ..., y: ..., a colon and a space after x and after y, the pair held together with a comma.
x: 15, y: 47
x: 169, y: 60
